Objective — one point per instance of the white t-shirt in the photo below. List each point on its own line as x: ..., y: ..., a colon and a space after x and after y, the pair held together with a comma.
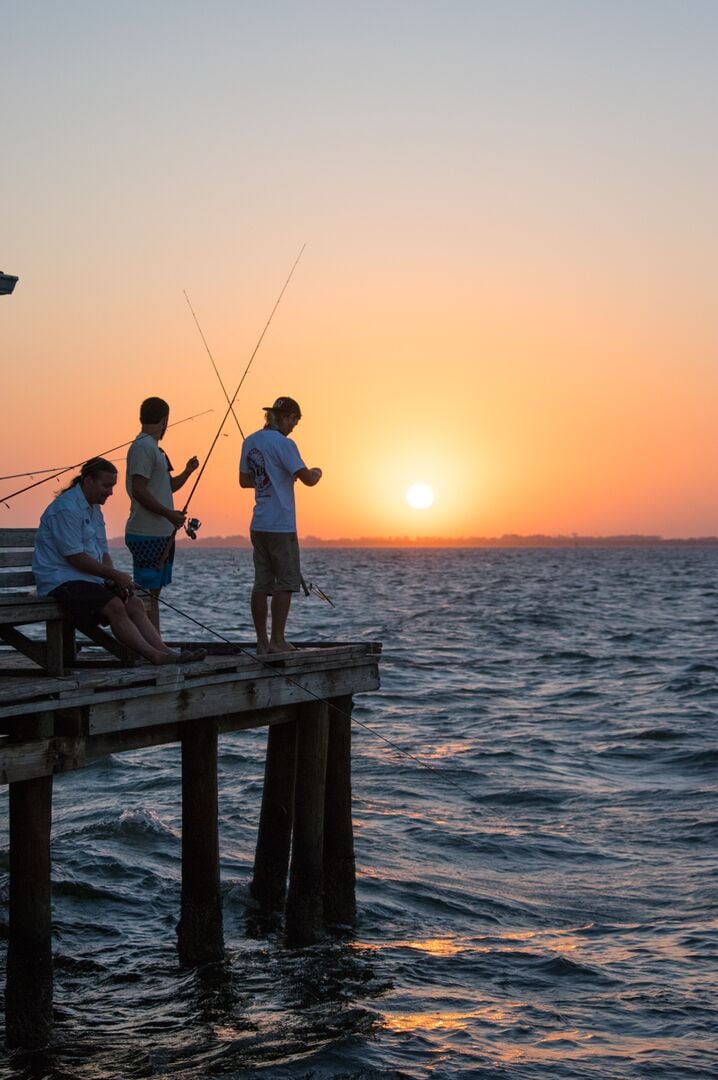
x: 274, y: 461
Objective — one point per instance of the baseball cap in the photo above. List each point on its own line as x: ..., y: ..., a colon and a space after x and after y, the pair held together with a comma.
x: 285, y: 406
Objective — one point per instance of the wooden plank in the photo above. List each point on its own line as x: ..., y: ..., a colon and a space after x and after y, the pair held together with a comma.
x: 21, y: 688
x: 133, y: 701
x: 228, y: 698
x: 16, y: 538
x: 35, y: 650
x: 21, y: 610
x: 13, y: 579
x: 40, y: 757
x: 117, y: 742
x: 15, y: 558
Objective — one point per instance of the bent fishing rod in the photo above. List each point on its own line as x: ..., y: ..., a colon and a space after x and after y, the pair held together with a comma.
x: 61, y: 472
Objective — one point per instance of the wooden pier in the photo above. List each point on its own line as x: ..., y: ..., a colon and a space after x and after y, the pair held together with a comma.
x: 304, y: 861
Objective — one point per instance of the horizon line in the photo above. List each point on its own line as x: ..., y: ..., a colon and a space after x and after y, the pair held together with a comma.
x: 506, y: 540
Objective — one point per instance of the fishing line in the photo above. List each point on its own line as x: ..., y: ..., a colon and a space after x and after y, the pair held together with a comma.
x: 216, y: 370
x: 61, y: 472
x: 310, y: 589
x: 317, y: 697
x: 244, y: 376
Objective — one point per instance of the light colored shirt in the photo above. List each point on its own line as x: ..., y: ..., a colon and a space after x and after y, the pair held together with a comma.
x: 69, y: 526
x: 145, y: 458
x: 274, y: 461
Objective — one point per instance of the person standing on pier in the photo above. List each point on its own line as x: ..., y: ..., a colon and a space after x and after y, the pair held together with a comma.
x: 153, y: 520
x: 271, y: 463
x: 72, y: 563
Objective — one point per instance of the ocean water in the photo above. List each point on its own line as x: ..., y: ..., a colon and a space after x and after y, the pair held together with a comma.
x: 537, y: 882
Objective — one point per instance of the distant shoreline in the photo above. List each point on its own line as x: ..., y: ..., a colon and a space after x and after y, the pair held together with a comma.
x: 506, y: 541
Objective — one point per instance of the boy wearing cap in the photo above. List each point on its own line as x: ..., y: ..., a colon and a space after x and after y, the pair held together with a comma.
x: 271, y: 463
x: 153, y: 520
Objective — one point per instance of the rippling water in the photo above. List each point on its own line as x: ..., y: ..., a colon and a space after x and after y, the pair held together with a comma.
x: 538, y: 902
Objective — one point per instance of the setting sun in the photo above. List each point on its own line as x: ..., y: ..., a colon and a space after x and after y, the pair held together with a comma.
x: 420, y: 496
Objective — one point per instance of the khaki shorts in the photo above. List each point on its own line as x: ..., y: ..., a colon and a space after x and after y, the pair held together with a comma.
x: 276, y: 562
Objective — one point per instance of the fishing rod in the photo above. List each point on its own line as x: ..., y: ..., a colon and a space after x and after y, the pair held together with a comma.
x: 33, y: 472
x: 61, y: 472
x: 216, y: 369
x: 241, y: 381
x: 193, y: 524
x: 317, y: 697
x: 39, y: 472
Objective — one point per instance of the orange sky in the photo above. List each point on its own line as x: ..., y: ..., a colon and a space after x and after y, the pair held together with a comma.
x: 508, y: 286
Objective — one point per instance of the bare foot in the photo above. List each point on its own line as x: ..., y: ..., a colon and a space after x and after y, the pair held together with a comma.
x: 166, y: 658
x: 281, y: 646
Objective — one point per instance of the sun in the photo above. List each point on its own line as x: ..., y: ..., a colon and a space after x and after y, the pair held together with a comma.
x: 420, y: 496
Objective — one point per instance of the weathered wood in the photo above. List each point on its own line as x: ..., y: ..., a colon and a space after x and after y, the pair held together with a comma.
x: 304, y: 912
x: 21, y: 761
x: 55, y: 648
x: 17, y: 538
x: 34, y: 650
x: 199, y: 932
x: 28, y: 994
x: 229, y: 696
x: 26, y: 609
x: 271, y: 860
x: 339, y: 862
x: 13, y: 579
x: 15, y: 558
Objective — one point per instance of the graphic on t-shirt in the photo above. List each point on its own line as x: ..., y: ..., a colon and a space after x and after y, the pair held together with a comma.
x: 257, y: 466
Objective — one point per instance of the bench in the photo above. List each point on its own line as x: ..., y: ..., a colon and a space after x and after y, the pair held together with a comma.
x: 21, y: 606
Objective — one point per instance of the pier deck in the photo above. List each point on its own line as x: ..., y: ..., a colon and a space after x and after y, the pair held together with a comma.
x: 304, y: 860
x: 51, y: 724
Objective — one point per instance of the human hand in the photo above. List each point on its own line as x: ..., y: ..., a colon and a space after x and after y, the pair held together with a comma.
x: 176, y: 517
x: 191, y: 465
x: 123, y: 583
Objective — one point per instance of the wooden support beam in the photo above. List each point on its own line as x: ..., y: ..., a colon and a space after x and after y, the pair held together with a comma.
x: 339, y: 863
x: 34, y: 650
x: 28, y: 993
x: 199, y: 932
x: 271, y: 860
x: 304, y: 914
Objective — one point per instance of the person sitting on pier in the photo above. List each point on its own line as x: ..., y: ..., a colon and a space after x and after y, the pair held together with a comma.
x: 270, y: 463
x: 72, y: 563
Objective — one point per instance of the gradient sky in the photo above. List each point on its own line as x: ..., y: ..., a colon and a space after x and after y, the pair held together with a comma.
x: 508, y: 289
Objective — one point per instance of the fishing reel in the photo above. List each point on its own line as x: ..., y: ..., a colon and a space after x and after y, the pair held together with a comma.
x: 191, y: 527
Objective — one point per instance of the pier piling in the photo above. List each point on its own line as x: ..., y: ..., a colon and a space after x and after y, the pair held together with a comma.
x: 339, y: 862
x: 53, y: 722
x: 304, y: 918
x: 271, y: 861
x: 200, y: 938
x: 28, y: 996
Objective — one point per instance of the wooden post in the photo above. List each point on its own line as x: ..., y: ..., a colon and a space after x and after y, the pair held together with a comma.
x: 271, y: 860
x: 199, y: 932
x: 304, y: 914
x: 28, y: 995
x: 339, y: 864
